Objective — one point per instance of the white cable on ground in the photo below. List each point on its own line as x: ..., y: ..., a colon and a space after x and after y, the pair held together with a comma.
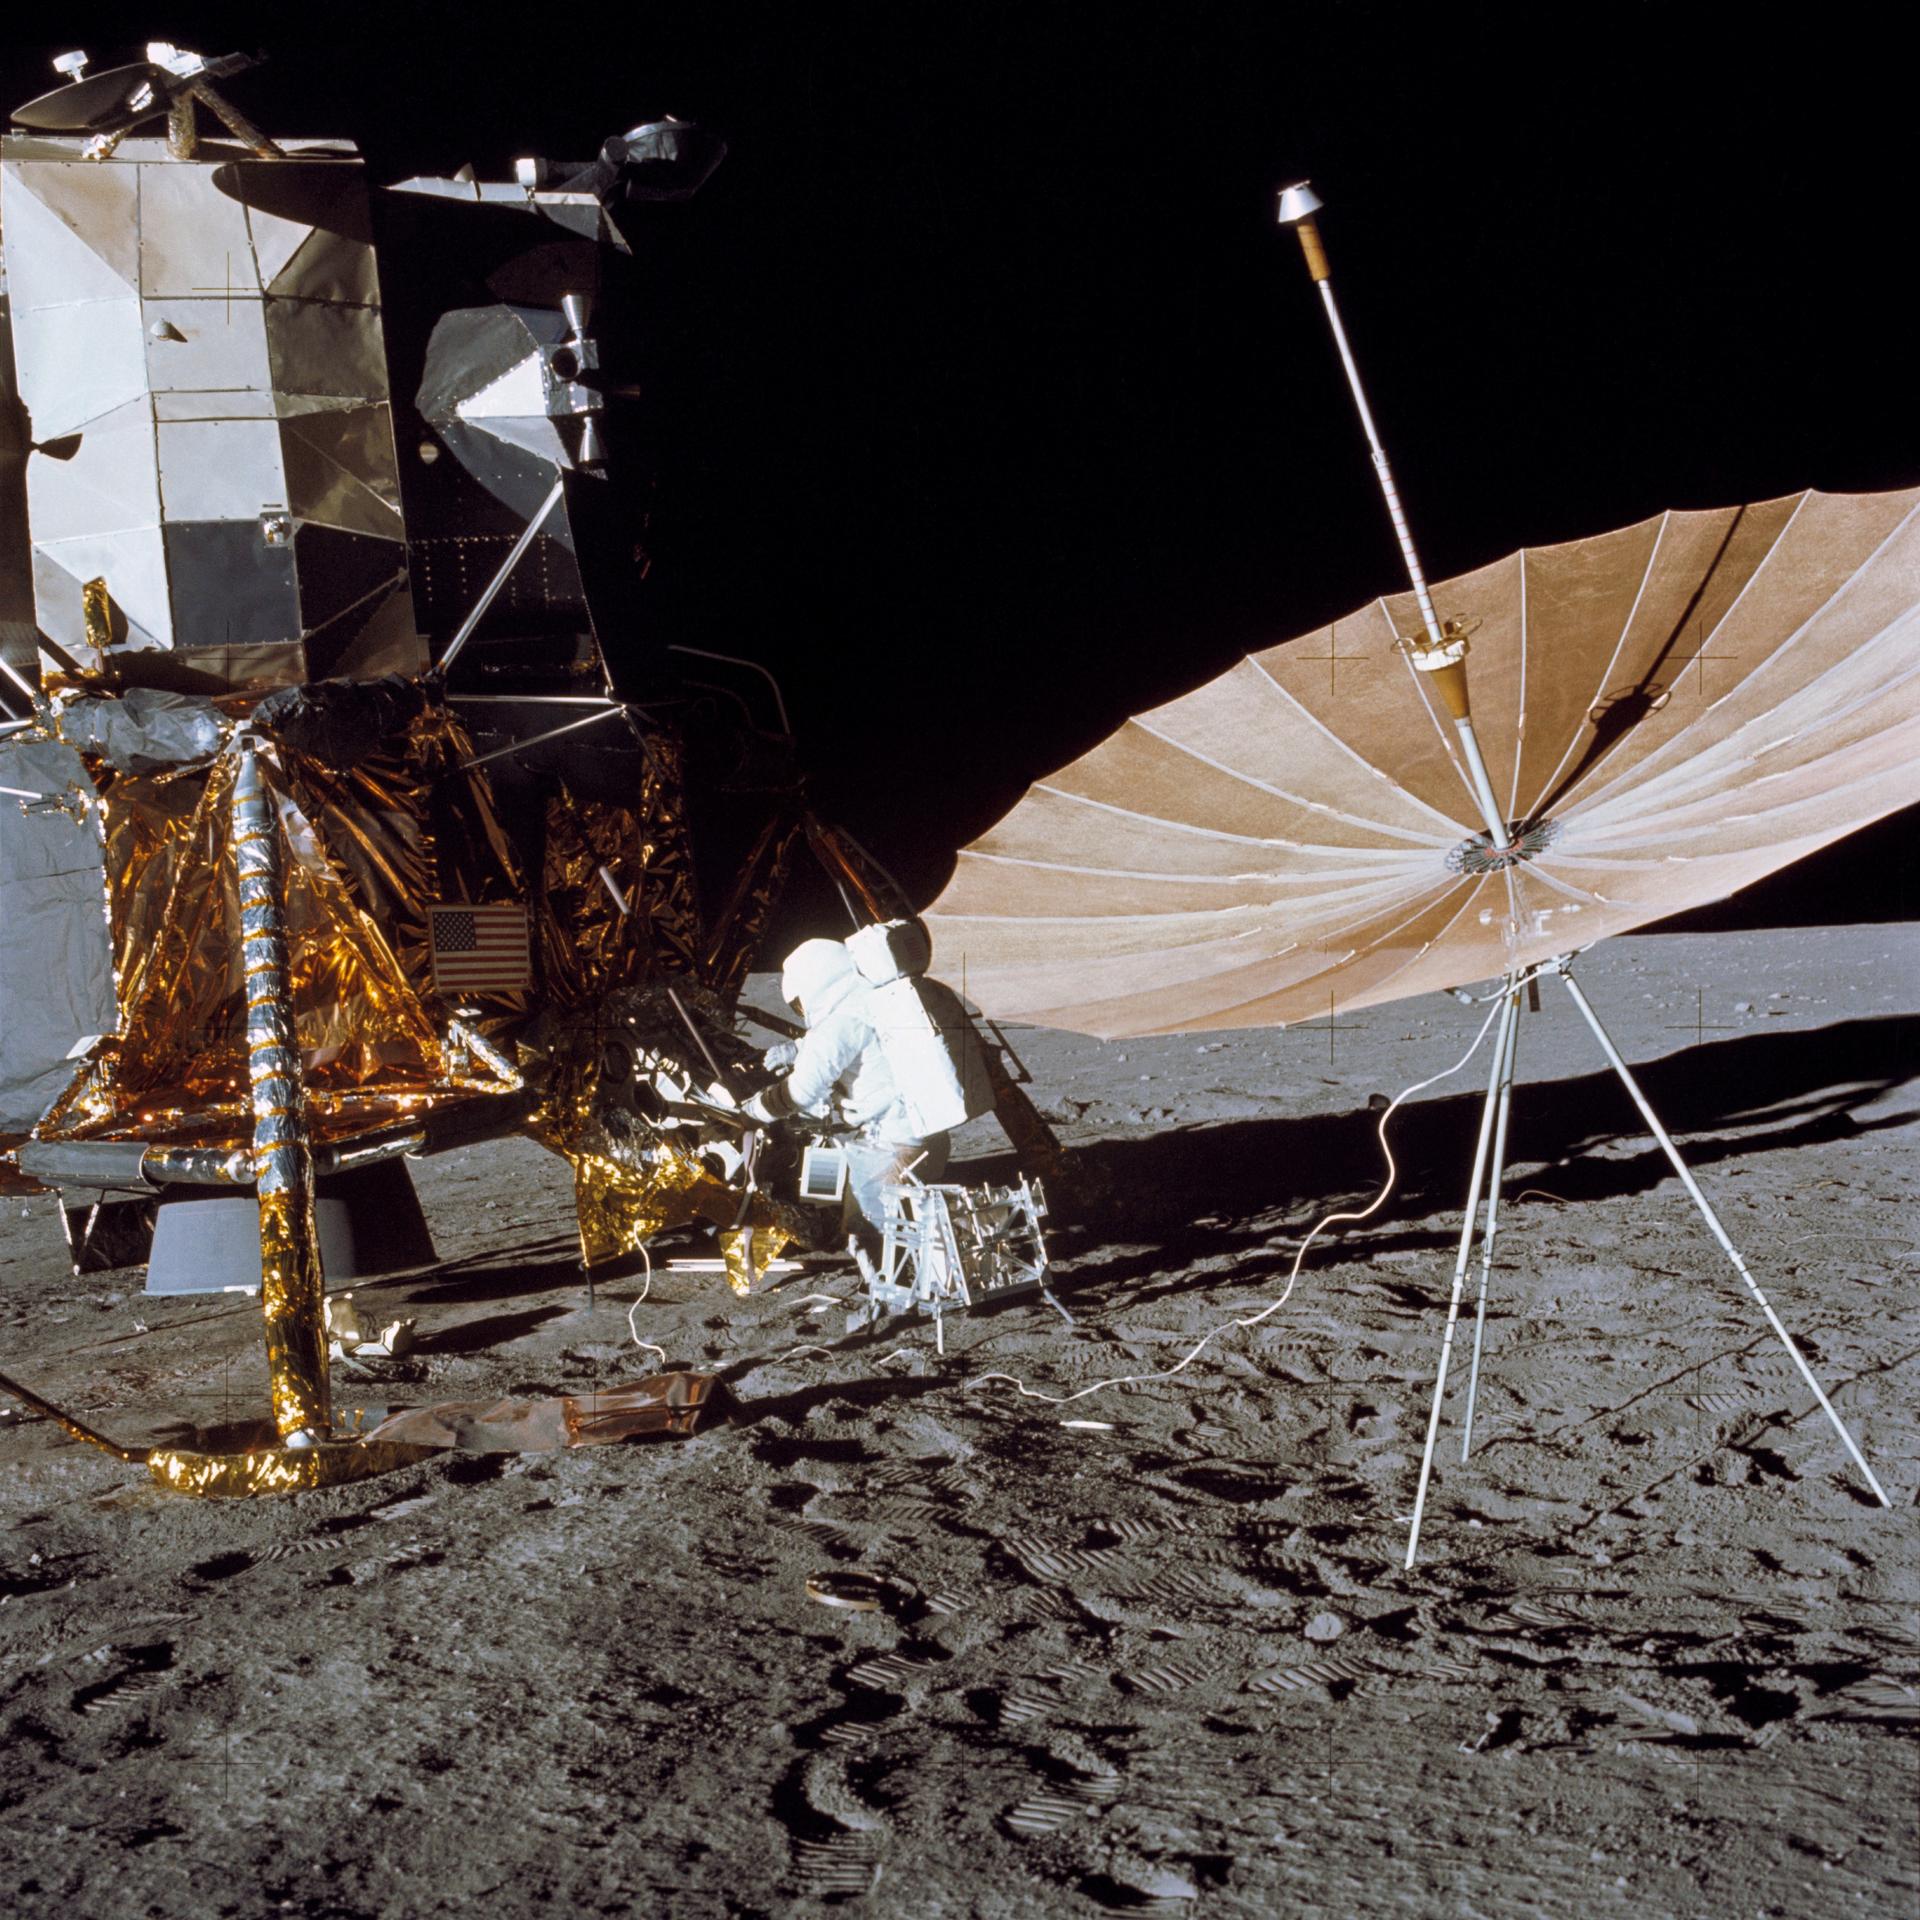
x: 646, y: 1286
x: 1320, y: 1226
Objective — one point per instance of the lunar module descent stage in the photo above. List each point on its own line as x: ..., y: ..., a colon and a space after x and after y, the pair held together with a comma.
x: 351, y: 807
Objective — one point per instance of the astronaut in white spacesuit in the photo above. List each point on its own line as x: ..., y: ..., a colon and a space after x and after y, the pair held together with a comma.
x: 841, y: 1068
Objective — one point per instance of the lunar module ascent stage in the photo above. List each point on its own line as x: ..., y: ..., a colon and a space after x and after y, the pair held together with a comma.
x: 352, y: 804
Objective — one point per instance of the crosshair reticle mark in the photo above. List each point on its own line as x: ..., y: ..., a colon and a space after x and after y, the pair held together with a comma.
x: 228, y: 287
x: 1331, y: 1026
x: 1331, y: 659
x: 1699, y: 1026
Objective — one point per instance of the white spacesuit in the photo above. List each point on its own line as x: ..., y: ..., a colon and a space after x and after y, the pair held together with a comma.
x: 886, y: 1050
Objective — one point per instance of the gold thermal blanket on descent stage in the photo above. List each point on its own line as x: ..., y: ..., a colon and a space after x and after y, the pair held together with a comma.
x: 372, y: 838
x: 617, y: 896
x: 367, y: 849
x: 1669, y: 713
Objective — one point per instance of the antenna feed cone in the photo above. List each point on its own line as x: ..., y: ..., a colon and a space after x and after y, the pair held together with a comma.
x: 1296, y: 203
x: 1295, y: 208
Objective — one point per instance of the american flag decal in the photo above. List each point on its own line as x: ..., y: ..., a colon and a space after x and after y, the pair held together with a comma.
x: 479, y: 949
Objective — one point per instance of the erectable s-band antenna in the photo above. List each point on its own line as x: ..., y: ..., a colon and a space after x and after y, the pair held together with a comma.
x: 1439, y: 651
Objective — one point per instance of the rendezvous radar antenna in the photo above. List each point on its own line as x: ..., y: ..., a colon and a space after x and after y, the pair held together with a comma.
x: 170, y: 81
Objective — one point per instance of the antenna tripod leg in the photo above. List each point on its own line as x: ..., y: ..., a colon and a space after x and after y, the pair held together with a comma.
x: 1713, y: 1224
x: 1507, y: 1015
x: 1492, y: 1229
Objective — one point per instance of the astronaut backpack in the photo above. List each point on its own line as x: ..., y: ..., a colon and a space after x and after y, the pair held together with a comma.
x: 930, y: 1044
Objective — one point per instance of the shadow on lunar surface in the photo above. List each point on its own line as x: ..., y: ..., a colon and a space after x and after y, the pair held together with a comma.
x: 1243, y: 1188
x: 496, y: 1276
x: 476, y: 1336
x: 794, y: 1407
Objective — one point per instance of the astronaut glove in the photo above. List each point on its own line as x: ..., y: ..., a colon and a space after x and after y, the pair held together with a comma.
x: 758, y: 1110
x: 779, y: 1057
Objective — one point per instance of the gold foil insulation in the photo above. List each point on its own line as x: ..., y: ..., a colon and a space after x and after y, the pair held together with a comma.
x: 625, y: 1193
x: 664, y: 1403
x: 279, y: 1469
x: 619, y: 914
x: 261, y: 1470
x: 368, y: 850
x: 1312, y: 246
x: 749, y: 1252
x: 1444, y: 667
x: 1449, y: 680
x: 96, y: 616
x: 407, y: 826
x: 592, y: 942
x: 77, y: 1428
x: 291, y: 1284
x: 291, y: 1291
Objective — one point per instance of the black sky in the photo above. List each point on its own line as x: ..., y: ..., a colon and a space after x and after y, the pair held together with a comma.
x: 993, y: 406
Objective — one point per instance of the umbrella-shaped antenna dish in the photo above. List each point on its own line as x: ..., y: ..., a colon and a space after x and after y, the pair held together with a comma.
x: 1670, y: 712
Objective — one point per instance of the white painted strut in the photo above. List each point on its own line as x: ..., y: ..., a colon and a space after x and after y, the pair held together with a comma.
x: 499, y: 580
x: 20, y: 682
x: 1492, y: 1229
x: 1460, y: 1266
x: 1715, y: 1228
x: 1478, y: 779
x: 1298, y: 204
x: 1383, y: 470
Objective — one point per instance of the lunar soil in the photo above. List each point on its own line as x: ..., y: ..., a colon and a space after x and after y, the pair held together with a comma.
x: 1149, y: 1652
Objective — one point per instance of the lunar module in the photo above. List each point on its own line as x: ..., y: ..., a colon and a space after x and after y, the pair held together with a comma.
x: 352, y: 805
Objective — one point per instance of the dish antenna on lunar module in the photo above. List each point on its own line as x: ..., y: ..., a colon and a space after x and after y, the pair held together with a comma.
x: 1283, y: 835
x: 354, y: 805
